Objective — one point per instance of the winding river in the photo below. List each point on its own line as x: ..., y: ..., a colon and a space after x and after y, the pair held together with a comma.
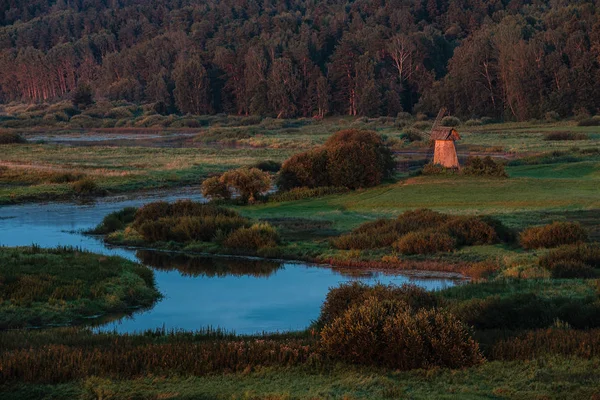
x: 241, y: 295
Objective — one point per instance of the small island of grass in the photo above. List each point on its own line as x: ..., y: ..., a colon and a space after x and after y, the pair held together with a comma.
x: 41, y: 287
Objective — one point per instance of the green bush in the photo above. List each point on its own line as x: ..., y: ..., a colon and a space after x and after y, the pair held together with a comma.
x: 393, y: 335
x: 553, y: 235
x: 585, y: 254
x: 268, y: 166
x: 85, y: 187
x: 115, y: 221
x: 307, y: 169
x: 351, y: 158
x: 425, y: 242
x: 11, y: 138
x: 465, y: 231
x: 473, y: 122
x: 249, y: 183
x: 256, y: 237
x: 185, y: 221
x: 411, y: 135
x: 557, y: 136
x: 484, y: 167
x: 214, y: 188
x: 347, y: 295
x: 594, y: 121
x: 66, y: 177
x: 470, y: 231
x: 571, y: 269
x: 450, y: 121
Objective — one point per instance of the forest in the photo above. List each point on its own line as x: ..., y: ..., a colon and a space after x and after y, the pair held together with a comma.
x: 504, y: 59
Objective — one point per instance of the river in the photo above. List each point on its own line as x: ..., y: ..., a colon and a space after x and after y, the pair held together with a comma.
x: 241, y: 295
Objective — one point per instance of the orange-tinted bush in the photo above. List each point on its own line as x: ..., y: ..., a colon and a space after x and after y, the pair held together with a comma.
x: 553, y: 235
x: 340, y: 299
x: 256, y: 237
x: 424, y: 242
x: 470, y: 231
x: 393, y: 335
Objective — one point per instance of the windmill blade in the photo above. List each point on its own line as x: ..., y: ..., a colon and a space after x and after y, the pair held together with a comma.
x: 437, y: 121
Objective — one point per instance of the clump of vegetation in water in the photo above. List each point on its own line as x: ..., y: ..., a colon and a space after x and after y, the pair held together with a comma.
x: 115, y: 221
x: 350, y: 158
x: 60, y: 286
x: 185, y: 222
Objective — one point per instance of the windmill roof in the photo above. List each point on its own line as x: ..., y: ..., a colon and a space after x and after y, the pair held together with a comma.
x: 444, y: 133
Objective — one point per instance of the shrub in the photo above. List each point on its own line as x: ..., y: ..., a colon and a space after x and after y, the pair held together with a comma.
x: 11, y: 138
x: 268, y: 166
x: 594, y: 121
x: 435, y: 169
x: 85, y: 186
x: 484, y: 167
x: 571, y: 269
x: 555, y: 136
x: 551, y: 116
x: 82, y: 96
x: 248, y: 182
x: 422, y: 125
x: 66, y: 177
x: 473, y: 122
x: 470, y: 231
x: 347, y: 295
x: 115, y: 221
x: 391, y: 334
x: 586, y: 254
x: 256, y: 237
x: 425, y: 242
x: 351, y: 158
x: 553, y: 235
x: 185, y: 221
x: 307, y: 169
x: 450, y: 121
x: 215, y: 188
x: 384, y: 232
x: 354, y: 165
x: 411, y: 135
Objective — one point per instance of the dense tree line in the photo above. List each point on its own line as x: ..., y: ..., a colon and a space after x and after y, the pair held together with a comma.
x: 513, y: 59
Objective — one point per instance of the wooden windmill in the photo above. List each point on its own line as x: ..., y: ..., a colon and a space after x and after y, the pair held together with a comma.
x: 444, y: 152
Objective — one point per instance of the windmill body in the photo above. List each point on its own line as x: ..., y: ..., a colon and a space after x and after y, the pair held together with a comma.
x: 444, y: 152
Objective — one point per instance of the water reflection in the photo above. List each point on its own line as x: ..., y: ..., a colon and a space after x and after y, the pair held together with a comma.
x: 195, y: 266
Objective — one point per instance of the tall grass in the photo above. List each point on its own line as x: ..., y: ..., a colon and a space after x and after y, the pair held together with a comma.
x: 59, y: 286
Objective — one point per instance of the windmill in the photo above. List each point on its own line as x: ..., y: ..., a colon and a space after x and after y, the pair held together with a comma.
x: 444, y: 151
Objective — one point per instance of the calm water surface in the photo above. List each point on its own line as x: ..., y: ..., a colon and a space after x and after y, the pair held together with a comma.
x: 246, y: 296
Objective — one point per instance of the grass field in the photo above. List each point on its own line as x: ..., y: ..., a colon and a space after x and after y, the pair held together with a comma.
x: 185, y: 156
x: 548, y: 181
x: 554, y: 377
